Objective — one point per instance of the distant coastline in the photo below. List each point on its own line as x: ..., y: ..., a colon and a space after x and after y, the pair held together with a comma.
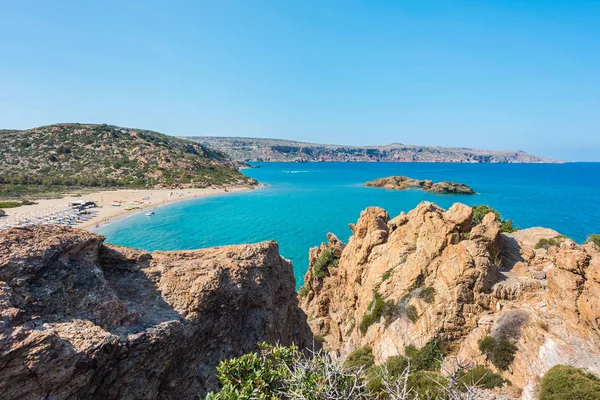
x: 279, y: 150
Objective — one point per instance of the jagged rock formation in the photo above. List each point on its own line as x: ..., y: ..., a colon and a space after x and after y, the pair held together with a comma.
x: 261, y: 149
x: 404, y: 183
x: 83, y: 320
x: 460, y: 283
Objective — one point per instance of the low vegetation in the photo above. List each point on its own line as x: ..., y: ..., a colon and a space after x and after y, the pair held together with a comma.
x: 412, y: 313
x: 563, y: 382
x: 386, y: 275
x: 544, y: 243
x: 303, y: 291
x: 285, y: 373
x: 427, y: 294
x: 57, y: 158
x: 594, y: 238
x: 480, y: 211
x: 361, y: 359
x: 378, y: 309
x: 482, y: 377
x: 325, y: 261
x: 10, y: 204
x: 501, y: 352
x: 499, y: 347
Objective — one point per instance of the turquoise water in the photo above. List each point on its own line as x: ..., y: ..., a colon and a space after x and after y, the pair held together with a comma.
x: 305, y: 201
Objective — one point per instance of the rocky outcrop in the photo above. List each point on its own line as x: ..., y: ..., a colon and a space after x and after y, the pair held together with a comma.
x: 461, y: 284
x: 83, y: 320
x: 403, y: 183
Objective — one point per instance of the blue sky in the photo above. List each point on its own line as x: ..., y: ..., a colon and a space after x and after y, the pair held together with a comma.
x: 488, y: 74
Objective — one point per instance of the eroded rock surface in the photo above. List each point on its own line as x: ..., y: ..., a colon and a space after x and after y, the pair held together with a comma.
x: 475, y: 279
x: 83, y: 320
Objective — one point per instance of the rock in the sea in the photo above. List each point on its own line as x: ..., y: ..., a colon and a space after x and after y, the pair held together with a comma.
x: 83, y: 320
x: 477, y: 280
x: 450, y: 187
x: 403, y: 183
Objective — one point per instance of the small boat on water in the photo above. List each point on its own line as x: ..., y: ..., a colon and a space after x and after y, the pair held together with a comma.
x: 149, y: 213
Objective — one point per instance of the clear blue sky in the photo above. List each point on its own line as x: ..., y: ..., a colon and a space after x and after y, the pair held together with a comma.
x: 490, y: 74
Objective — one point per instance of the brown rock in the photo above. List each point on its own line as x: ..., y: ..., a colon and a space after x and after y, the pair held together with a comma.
x: 478, y: 284
x: 403, y: 183
x: 79, y: 319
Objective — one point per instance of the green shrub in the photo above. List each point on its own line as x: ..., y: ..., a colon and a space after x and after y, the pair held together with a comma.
x: 10, y: 204
x: 507, y: 226
x: 422, y: 363
x: 303, y: 291
x: 501, y: 351
x: 255, y: 376
x: 284, y: 373
x: 428, y: 358
x: 427, y: 294
x: 326, y: 260
x: 362, y: 358
x: 481, y: 377
x: 564, y: 382
x: 480, y: 211
x: 412, y: 313
x: 428, y: 385
x: 594, y: 238
x: 387, y: 274
x: 544, y: 243
x: 378, y: 309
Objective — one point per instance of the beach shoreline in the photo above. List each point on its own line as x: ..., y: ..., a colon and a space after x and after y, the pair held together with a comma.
x: 105, y: 213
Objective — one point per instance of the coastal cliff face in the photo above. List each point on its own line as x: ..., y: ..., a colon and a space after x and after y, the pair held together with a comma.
x: 83, y: 320
x: 280, y: 150
x: 447, y: 279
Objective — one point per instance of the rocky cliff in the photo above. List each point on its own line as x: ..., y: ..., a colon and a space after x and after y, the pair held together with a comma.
x: 261, y: 149
x: 84, y: 320
x: 435, y: 275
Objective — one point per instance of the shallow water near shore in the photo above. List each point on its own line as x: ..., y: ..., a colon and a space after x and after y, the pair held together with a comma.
x: 304, y: 201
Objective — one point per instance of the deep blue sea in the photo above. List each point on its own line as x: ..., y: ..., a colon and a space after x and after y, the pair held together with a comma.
x: 304, y: 201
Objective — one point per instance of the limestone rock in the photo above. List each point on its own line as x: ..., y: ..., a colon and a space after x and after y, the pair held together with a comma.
x: 82, y: 320
x: 480, y: 278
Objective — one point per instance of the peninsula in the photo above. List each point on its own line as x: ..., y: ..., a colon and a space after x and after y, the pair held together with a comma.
x: 278, y: 150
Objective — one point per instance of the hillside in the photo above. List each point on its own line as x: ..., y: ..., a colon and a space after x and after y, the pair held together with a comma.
x: 253, y: 149
x: 61, y: 156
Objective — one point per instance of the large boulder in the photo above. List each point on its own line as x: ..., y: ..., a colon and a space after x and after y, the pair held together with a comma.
x: 84, y: 320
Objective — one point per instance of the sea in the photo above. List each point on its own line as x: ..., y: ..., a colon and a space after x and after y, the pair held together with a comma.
x: 302, y: 202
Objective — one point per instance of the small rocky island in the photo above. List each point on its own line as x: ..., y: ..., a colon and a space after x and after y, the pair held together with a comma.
x: 403, y: 183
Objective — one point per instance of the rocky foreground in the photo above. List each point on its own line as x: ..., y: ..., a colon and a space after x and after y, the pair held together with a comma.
x: 84, y: 320
x: 437, y: 276
x: 404, y: 183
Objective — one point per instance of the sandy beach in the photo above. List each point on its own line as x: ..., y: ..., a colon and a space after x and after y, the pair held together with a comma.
x: 106, y: 212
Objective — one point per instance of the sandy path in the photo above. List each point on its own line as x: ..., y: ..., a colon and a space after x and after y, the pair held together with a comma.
x: 105, y: 212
